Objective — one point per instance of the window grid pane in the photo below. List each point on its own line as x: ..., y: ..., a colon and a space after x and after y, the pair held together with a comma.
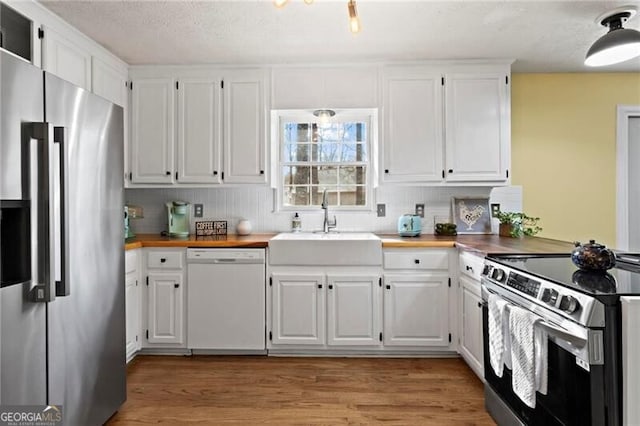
x: 318, y: 157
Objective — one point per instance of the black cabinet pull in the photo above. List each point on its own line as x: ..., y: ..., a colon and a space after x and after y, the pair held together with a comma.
x: 416, y: 261
x: 469, y: 268
x: 319, y: 285
x: 479, y: 304
x: 450, y: 170
x: 388, y: 287
x: 162, y: 260
x: 330, y: 286
x: 168, y: 173
x: 176, y: 285
x: 215, y: 173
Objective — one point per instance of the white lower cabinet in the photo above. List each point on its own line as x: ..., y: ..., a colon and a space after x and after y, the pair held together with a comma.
x: 164, y: 299
x: 298, y: 309
x: 353, y: 310
x: 471, y: 338
x: 416, y: 310
x: 132, y: 303
x: 471, y: 334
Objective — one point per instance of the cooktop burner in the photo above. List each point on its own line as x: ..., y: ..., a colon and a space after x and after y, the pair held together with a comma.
x: 621, y: 280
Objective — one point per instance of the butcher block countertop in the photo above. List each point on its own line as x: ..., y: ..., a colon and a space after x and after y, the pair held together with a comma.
x: 482, y: 244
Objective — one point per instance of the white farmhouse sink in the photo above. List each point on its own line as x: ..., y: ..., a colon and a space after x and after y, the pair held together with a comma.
x: 334, y: 248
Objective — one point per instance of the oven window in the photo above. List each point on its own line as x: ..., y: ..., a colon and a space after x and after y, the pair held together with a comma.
x: 574, y: 396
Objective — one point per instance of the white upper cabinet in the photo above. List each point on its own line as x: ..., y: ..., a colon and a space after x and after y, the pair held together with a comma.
x: 446, y: 124
x: 477, y: 126
x: 220, y: 127
x: 66, y: 59
x: 109, y: 81
x: 199, y: 131
x: 322, y: 87
x: 152, y: 130
x: 244, y: 126
x: 412, y: 126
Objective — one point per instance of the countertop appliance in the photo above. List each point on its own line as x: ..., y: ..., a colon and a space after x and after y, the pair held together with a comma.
x: 581, y: 313
x: 62, y: 312
x: 226, y: 300
x: 409, y: 225
x: 178, y: 213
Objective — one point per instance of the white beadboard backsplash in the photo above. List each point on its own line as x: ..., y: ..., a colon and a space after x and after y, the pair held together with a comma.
x: 256, y: 204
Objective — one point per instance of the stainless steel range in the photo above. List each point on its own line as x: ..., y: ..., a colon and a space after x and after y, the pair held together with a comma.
x: 580, y: 313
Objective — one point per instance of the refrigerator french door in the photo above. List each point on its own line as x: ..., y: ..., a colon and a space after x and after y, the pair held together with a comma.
x: 62, y: 330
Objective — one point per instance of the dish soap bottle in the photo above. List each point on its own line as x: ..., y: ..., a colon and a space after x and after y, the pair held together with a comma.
x: 296, y: 223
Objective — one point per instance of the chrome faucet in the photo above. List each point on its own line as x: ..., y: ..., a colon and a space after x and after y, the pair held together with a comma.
x: 327, y: 225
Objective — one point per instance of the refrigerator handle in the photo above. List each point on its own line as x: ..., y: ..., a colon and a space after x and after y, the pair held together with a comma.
x: 43, y: 271
x: 60, y: 186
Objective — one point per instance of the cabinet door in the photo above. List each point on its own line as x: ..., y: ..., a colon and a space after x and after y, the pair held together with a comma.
x: 244, y: 127
x: 471, y: 337
x: 65, y: 59
x: 412, y: 142
x: 132, y: 314
x: 352, y: 310
x: 298, y: 314
x: 166, y: 302
x: 477, y: 127
x: 109, y: 82
x: 199, y: 131
x: 152, y: 130
x: 416, y: 310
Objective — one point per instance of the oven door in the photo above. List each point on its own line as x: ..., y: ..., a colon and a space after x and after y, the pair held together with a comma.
x: 575, y: 393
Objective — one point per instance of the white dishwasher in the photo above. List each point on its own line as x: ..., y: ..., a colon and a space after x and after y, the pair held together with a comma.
x: 226, y: 299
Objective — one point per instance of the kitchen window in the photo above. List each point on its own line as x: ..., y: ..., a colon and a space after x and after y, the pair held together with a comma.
x: 333, y: 154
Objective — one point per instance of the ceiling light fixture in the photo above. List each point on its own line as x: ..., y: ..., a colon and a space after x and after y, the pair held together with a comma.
x: 354, y: 20
x: 619, y: 44
x: 324, y: 114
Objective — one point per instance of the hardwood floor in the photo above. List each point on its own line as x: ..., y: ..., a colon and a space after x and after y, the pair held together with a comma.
x: 306, y: 391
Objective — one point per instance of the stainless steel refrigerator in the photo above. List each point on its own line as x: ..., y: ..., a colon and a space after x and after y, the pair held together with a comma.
x: 62, y: 309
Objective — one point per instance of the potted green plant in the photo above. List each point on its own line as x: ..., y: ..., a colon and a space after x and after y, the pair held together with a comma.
x: 516, y: 225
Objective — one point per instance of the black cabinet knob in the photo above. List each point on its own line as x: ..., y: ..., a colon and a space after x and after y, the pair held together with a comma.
x: 176, y: 285
x: 479, y: 304
x: 388, y: 287
x: 330, y: 286
x: 168, y: 173
x: 215, y: 173
x: 319, y: 285
x: 261, y: 172
x: 450, y: 170
x: 386, y: 170
x: 162, y: 260
x: 416, y: 261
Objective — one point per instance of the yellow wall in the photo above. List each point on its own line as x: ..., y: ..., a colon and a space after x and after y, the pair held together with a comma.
x: 563, y: 133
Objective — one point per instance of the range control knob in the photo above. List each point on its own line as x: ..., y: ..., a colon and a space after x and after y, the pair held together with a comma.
x: 569, y: 304
x: 485, y: 270
x: 549, y: 296
x: 498, y: 275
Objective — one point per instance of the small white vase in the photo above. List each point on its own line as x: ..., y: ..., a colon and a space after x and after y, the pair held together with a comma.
x: 243, y: 227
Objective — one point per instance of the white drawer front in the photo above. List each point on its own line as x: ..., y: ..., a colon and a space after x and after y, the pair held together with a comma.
x: 423, y: 259
x: 164, y: 260
x: 130, y: 261
x: 471, y: 265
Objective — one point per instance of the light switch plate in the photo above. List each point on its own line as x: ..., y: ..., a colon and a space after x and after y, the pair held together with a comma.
x: 420, y: 210
x: 198, y: 210
x: 381, y: 210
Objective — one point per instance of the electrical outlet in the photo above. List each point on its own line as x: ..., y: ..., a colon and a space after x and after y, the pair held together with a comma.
x: 381, y: 210
x: 198, y: 210
x: 420, y: 210
x: 495, y: 209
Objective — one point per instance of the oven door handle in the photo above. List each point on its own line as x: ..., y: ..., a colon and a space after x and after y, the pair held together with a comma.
x: 562, y: 334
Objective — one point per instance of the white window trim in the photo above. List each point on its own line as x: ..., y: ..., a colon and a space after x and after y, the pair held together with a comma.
x: 370, y: 115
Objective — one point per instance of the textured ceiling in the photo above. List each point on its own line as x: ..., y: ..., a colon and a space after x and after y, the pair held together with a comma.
x: 541, y: 36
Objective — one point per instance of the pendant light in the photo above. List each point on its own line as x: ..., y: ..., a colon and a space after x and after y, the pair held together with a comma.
x: 619, y: 44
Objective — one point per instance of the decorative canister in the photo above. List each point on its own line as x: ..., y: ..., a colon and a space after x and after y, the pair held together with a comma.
x: 243, y: 227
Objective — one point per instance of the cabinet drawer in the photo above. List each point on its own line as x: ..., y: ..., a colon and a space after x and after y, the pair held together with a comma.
x: 164, y: 260
x: 423, y: 259
x: 471, y: 265
x: 130, y: 261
